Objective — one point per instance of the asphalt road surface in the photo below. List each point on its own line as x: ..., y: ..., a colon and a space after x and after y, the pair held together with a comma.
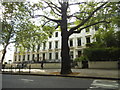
x: 27, y: 81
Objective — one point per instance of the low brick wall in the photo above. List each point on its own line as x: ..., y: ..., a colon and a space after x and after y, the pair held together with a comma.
x: 103, y: 64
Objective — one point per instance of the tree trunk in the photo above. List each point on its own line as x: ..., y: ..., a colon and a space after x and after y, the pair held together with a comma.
x: 66, y: 63
x: 4, y: 52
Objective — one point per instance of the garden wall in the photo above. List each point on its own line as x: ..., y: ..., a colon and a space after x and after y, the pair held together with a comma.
x: 103, y: 64
x: 46, y: 66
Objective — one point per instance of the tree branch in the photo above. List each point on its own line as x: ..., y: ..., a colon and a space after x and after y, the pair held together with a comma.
x: 77, y: 3
x: 83, y: 22
x: 52, y: 8
x: 78, y: 31
x: 51, y: 5
x: 45, y: 23
x: 57, y: 26
x: 57, y: 8
x: 83, y: 3
x: 75, y: 17
x: 54, y: 20
x: 12, y: 42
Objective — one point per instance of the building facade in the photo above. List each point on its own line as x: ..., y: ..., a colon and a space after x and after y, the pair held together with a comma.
x: 51, y: 49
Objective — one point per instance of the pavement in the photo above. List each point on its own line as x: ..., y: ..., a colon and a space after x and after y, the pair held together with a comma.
x: 78, y: 73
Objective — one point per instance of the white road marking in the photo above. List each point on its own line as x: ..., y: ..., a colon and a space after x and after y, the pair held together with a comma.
x: 106, y: 84
x: 27, y: 80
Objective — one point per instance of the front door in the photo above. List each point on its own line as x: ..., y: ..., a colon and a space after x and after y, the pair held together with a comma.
x: 84, y: 64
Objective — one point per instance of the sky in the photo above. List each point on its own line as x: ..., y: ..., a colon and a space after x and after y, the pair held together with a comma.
x: 10, y: 52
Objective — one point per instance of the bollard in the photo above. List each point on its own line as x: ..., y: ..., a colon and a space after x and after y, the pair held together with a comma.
x: 29, y: 68
x: 19, y: 69
x: 118, y: 65
x: 2, y: 68
x: 11, y: 69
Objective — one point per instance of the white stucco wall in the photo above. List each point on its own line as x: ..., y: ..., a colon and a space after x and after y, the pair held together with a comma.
x: 75, y: 48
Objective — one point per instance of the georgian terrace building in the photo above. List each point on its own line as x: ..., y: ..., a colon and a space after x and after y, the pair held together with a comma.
x: 51, y: 50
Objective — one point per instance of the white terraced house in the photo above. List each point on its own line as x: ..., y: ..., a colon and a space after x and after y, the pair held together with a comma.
x: 51, y: 50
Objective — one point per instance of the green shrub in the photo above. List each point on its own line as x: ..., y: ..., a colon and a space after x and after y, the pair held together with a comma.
x: 102, y: 54
x: 81, y: 58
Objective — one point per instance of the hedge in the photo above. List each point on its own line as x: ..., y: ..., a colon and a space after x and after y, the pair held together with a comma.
x: 102, y: 54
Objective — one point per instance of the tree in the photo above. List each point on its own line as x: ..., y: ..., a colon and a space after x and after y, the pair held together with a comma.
x: 8, y: 31
x: 91, y: 14
x: 15, y: 15
x: 18, y: 27
x: 106, y: 39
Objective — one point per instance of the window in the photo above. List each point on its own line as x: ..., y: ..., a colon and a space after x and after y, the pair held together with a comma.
x: 38, y: 47
x: 44, y: 45
x: 56, y: 34
x: 43, y: 56
x: 19, y: 57
x: 28, y: 57
x: 33, y: 56
x: 56, y: 44
x: 50, y: 56
x: 50, y: 45
x: 23, y: 57
x: 50, y: 36
x: 87, y: 39
x: 79, y: 53
x: 71, y: 42
x: 38, y: 57
x: 15, y: 58
x: 56, y: 55
x: 79, y: 41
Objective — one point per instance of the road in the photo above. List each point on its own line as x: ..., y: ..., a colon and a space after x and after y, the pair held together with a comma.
x: 27, y: 81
